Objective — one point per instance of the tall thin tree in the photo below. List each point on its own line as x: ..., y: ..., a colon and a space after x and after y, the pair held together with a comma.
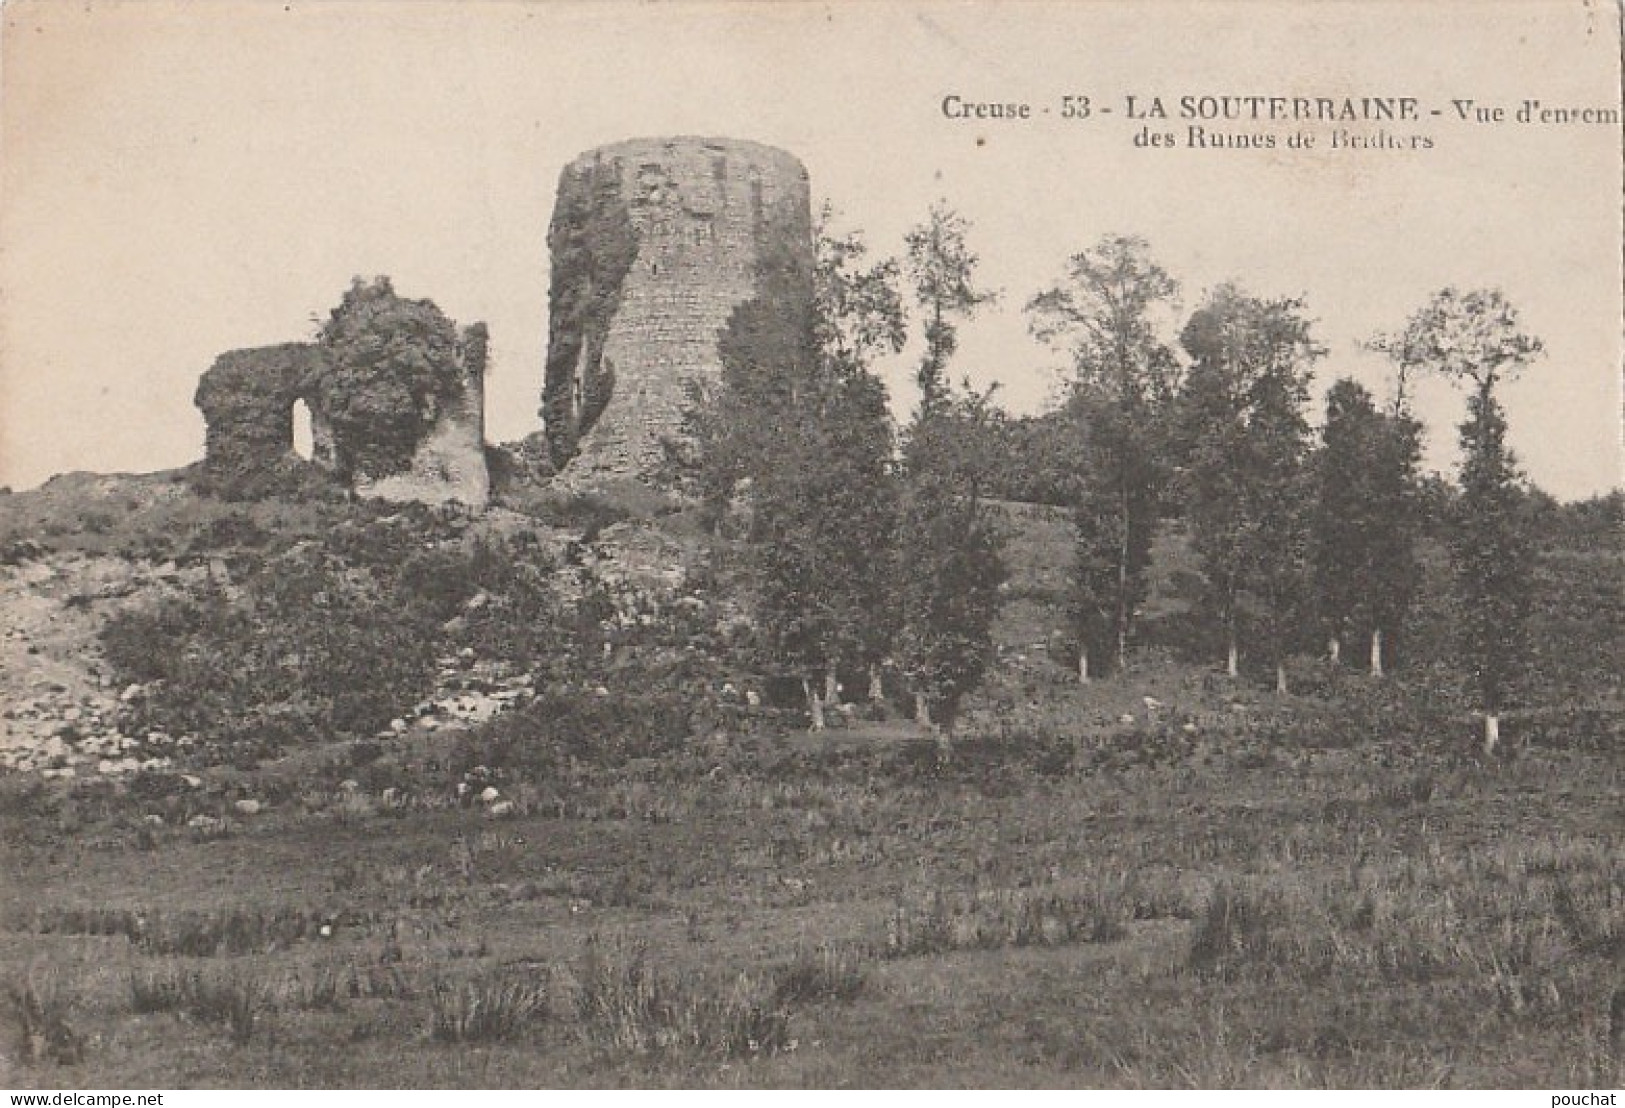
x: 1364, y: 521
x: 1475, y: 337
x: 948, y: 565
x: 940, y: 267
x: 1124, y: 377
x: 1245, y: 440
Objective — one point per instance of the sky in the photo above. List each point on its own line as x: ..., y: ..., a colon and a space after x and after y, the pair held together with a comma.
x: 181, y: 179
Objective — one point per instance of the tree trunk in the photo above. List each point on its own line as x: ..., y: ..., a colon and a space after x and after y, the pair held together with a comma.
x: 877, y: 690
x: 922, y: 710
x: 1492, y: 732
x: 947, y: 718
x: 1334, y: 649
x: 1083, y: 663
x: 814, y: 705
x: 1280, y: 678
x: 1122, y: 589
x: 1376, y: 652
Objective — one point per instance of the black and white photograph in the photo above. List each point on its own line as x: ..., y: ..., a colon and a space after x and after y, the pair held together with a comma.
x: 843, y: 545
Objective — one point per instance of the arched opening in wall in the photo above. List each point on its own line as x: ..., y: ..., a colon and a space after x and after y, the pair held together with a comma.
x: 303, y: 439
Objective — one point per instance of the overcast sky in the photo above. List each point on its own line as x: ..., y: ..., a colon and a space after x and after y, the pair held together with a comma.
x: 183, y: 179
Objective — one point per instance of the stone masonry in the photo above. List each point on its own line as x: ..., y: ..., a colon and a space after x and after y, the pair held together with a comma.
x: 449, y: 463
x: 621, y: 360
x: 247, y: 400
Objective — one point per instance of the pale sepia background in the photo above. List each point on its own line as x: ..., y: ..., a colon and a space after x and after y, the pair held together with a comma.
x: 180, y: 179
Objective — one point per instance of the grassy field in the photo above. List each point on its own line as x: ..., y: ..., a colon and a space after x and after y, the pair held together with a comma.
x: 1231, y: 913
x: 1163, y: 880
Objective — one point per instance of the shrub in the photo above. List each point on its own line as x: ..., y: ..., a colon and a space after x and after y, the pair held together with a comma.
x: 392, y: 363
x: 491, y: 1008
x: 562, y: 727
x: 39, y: 1011
x: 828, y: 972
x: 308, y: 648
x: 233, y: 999
x: 624, y: 1005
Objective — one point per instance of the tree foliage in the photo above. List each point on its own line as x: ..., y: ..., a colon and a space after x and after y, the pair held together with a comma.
x: 1468, y: 335
x: 1124, y: 378
x: 1245, y: 440
x: 1492, y: 553
x: 949, y: 566
x: 859, y: 312
x: 940, y: 268
x: 770, y: 367
x: 1364, y: 517
x: 393, y: 364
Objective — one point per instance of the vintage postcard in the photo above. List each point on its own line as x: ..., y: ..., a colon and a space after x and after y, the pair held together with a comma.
x: 911, y: 544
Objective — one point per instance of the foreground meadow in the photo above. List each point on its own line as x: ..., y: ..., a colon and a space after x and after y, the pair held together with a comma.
x: 1165, y: 879
x: 1204, y: 897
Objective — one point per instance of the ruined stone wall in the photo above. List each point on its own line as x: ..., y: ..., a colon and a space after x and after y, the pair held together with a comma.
x: 620, y: 360
x: 247, y: 400
x: 449, y: 463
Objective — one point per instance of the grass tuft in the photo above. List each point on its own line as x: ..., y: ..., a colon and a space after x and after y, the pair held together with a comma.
x: 829, y: 972
x: 624, y: 1006
x: 1235, y: 931
x: 234, y: 1000
x: 493, y: 1008
x: 39, y: 1011
x: 989, y: 919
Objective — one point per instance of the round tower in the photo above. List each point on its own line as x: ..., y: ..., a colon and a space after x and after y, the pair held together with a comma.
x: 654, y: 242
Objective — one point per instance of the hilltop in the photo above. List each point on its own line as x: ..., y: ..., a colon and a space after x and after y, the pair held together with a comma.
x: 625, y: 849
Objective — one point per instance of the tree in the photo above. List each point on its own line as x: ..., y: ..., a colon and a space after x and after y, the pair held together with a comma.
x: 948, y: 564
x: 1124, y: 378
x: 393, y: 363
x: 859, y: 316
x: 1364, y: 520
x: 1245, y: 441
x: 1475, y: 337
x: 940, y: 267
x: 859, y: 312
x: 1493, y: 558
x: 804, y: 426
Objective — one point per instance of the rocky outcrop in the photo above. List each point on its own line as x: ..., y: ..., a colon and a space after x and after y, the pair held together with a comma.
x: 654, y: 242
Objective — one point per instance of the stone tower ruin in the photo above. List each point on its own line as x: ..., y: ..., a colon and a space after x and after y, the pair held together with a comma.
x: 654, y: 242
x: 247, y: 400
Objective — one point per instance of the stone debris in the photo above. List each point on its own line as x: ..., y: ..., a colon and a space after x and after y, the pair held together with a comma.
x: 468, y: 692
x: 60, y: 714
